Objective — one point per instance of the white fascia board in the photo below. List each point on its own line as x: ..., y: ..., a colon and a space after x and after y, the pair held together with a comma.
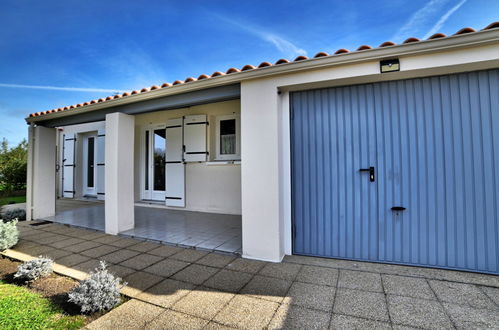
x: 474, y: 39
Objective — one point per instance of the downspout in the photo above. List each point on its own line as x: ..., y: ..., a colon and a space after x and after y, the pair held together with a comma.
x: 31, y: 172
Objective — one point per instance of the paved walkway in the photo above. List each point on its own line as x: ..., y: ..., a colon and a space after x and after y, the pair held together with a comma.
x: 173, y: 287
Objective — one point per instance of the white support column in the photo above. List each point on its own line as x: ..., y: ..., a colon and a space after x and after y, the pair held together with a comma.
x: 41, y: 182
x: 261, y: 219
x: 119, y: 182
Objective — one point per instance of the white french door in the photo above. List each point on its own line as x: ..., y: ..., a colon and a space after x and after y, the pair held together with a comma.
x: 90, y: 165
x: 154, y: 169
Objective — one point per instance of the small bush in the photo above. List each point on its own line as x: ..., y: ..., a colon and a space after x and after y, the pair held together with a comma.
x: 34, y: 269
x: 99, y: 292
x: 18, y: 214
x: 9, y: 235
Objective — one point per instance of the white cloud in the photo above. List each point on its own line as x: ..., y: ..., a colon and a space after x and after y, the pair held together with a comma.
x: 443, y: 19
x: 283, y: 45
x: 69, y: 89
x: 419, y: 19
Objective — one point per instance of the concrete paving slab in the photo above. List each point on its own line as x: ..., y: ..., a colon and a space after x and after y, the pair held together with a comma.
x: 66, y: 242
x: 246, y: 265
x: 99, y: 251
x: 363, y: 304
x: 140, y: 281
x: 119, y: 256
x: 246, y: 312
x: 166, y: 293
x: 492, y: 293
x: 269, y: 288
x: 124, y: 242
x: 313, y: 296
x: 407, y: 286
x: 120, y: 271
x: 203, y: 302
x: 463, y: 294
x: 318, y: 275
x: 56, y: 254
x: 167, y: 267
x: 195, y: 274
x: 420, y: 313
x: 107, y: 239
x: 465, y: 317
x: 216, y: 260
x: 165, y: 251
x: 141, y: 261
x: 174, y: 320
x: 133, y: 314
x: 72, y: 259
x: 350, y: 279
x: 189, y: 255
x: 88, y: 266
x: 144, y: 246
x: 350, y: 322
x: 281, y: 270
x: 77, y: 248
x: 296, y: 317
x: 227, y: 280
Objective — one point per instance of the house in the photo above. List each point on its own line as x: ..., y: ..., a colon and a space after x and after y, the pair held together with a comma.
x: 386, y: 154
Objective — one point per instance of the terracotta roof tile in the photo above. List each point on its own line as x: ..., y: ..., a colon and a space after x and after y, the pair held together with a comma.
x: 281, y: 61
x: 342, y: 51
x: 387, y: 44
x: 411, y: 39
x: 247, y: 67
x: 232, y: 70
x: 321, y: 54
x: 264, y: 64
x: 437, y: 36
x: 300, y: 58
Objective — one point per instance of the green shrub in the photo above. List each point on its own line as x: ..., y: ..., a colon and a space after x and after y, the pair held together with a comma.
x: 12, y: 214
x: 9, y: 235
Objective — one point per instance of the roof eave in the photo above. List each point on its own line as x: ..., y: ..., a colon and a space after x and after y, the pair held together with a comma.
x: 426, y: 46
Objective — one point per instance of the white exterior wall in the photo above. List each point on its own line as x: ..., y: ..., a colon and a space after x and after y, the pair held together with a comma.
x: 209, y: 187
x: 265, y: 176
x: 40, y: 199
x: 119, y: 206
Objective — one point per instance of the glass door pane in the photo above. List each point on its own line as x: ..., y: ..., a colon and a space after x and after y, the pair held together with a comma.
x: 159, y: 159
x: 90, y: 162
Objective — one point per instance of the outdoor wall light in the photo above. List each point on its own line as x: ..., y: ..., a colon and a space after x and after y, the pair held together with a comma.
x: 389, y: 65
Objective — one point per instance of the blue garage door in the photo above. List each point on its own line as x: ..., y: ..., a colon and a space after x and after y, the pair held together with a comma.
x: 401, y: 172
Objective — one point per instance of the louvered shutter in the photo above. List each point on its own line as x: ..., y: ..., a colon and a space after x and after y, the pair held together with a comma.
x: 195, y: 138
x: 68, y: 165
x: 101, y: 169
x: 175, y: 167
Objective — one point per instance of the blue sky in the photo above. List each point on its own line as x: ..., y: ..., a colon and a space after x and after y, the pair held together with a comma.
x: 88, y: 49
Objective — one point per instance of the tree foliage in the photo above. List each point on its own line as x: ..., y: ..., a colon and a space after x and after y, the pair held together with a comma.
x: 13, y: 165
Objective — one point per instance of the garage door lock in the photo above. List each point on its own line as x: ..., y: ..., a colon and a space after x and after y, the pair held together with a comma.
x: 371, y: 172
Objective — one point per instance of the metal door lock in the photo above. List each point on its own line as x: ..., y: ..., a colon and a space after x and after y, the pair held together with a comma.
x: 371, y: 172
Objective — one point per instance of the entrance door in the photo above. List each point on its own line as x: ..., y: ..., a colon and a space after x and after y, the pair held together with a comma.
x: 90, y: 165
x: 429, y: 192
x: 154, y: 164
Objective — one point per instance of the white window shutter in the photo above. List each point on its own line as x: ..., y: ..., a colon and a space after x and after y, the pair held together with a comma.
x: 175, y: 167
x: 195, y: 138
x: 68, y: 165
x: 101, y: 163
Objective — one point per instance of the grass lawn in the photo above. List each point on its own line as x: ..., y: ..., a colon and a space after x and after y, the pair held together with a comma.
x: 9, y: 200
x: 22, y: 309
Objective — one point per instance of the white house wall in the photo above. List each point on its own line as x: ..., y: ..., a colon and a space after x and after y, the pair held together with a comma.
x: 266, y: 187
x: 209, y: 187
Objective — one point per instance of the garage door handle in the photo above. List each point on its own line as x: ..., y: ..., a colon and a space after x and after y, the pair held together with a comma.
x: 371, y: 172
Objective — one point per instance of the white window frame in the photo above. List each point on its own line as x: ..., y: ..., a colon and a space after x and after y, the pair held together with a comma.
x: 150, y: 194
x: 237, y: 155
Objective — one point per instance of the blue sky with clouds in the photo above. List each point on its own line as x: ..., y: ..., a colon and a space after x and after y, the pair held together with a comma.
x: 58, y: 53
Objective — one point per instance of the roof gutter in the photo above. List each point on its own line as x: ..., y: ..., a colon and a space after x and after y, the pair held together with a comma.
x: 479, y: 38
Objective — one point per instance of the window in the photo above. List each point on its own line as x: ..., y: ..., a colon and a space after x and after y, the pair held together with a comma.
x: 228, y: 138
x: 153, y: 163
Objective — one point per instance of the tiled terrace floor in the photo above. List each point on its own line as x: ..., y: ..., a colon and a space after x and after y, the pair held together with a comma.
x: 208, y: 231
x: 173, y: 287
